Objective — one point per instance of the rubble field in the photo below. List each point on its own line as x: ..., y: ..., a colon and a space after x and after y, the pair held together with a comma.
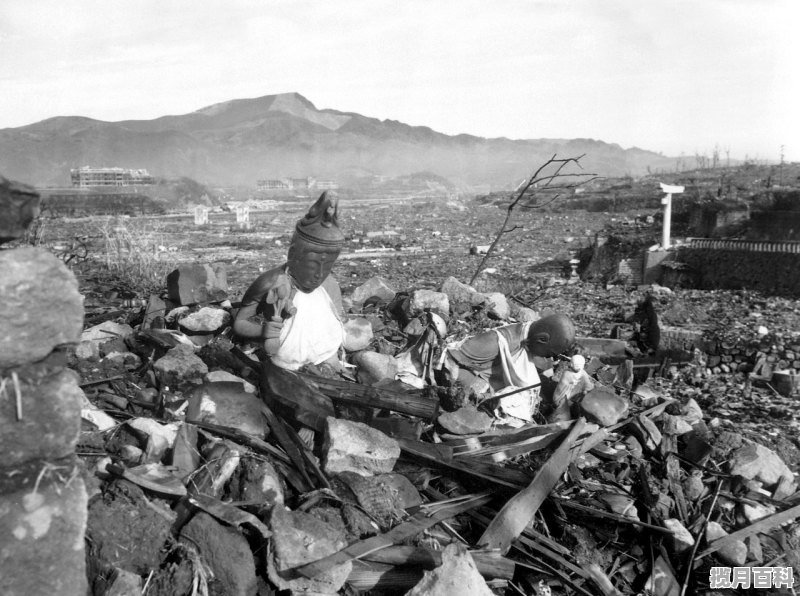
x: 212, y: 472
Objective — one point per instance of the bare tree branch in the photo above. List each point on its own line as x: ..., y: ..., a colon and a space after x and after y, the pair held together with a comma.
x: 531, y: 184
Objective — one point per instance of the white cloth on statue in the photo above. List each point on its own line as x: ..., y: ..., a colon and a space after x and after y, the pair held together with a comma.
x: 518, y: 372
x: 313, y: 334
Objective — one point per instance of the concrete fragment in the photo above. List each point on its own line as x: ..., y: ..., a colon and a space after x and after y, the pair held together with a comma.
x: 603, y: 406
x: 457, y: 292
x: 42, y: 533
x: 498, y: 306
x: 50, y: 421
x: 19, y: 206
x: 193, y: 284
x: 754, y: 461
x: 734, y: 553
x: 227, y: 553
x: 465, y: 421
x: 456, y: 575
x: 373, y: 287
x: 358, y: 334
x: 180, y: 368
x: 422, y: 300
x: 299, y: 538
x: 228, y: 404
x: 355, y: 447
x: 682, y: 539
x: 42, y: 307
x: 219, y: 376
x: 205, y: 320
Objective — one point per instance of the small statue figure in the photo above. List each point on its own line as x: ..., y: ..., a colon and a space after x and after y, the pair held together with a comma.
x: 296, y: 308
x: 574, y: 383
x: 504, y: 356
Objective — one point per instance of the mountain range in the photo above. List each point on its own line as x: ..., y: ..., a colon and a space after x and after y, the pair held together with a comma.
x: 241, y: 141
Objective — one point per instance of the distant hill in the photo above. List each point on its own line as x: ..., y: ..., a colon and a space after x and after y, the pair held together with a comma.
x: 243, y: 140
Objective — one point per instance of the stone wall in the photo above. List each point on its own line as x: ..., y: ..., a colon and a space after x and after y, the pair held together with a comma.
x: 719, y: 268
x: 42, y: 496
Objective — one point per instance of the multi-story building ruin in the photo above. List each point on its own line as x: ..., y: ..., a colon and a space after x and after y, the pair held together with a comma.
x: 88, y: 176
x: 283, y: 184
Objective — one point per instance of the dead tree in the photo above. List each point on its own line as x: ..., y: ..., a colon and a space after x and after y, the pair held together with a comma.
x: 527, y: 197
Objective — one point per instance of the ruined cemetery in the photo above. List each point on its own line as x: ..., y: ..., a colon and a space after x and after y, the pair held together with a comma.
x: 584, y: 391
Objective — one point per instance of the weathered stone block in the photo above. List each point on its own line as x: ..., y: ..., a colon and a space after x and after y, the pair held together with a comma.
x: 757, y: 462
x: 97, y: 335
x: 373, y: 287
x: 358, y: 334
x: 422, y: 300
x: 193, y: 284
x: 458, y: 292
x: 355, y: 447
x: 180, y: 368
x: 50, y: 421
x: 41, y: 305
x: 498, y: 306
x: 42, y: 535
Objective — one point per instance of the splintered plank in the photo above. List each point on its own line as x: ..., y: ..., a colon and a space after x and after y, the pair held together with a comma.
x: 441, y: 456
x: 424, y: 519
x: 412, y: 403
x: 489, y: 564
x: 520, y: 509
x: 762, y: 525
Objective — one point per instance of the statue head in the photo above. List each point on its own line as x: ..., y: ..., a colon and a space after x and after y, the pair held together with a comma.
x: 577, y: 362
x: 550, y: 336
x: 315, y: 245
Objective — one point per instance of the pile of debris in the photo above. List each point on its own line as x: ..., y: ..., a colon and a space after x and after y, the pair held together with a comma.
x: 211, y: 472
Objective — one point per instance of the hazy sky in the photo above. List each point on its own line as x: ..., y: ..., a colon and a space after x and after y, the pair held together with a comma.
x: 676, y: 76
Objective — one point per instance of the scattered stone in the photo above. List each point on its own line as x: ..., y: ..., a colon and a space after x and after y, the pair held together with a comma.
x: 226, y: 552
x: 373, y: 287
x: 180, y: 368
x: 383, y: 497
x: 124, y: 583
x: 456, y: 575
x: 467, y: 420
x: 355, y: 447
x: 42, y: 307
x: 457, y: 292
x: 193, y: 284
x: 734, y: 553
x: 498, y: 306
x: 422, y: 300
x: 693, y: 486
x: 257, y: 481
x: 94, y: 337
x: 647, y: 433
x: 691, y: 412
x: 603, y: 406
x: 756, y: 511
x: 205, y: 320
x: 227, y: 403
x: 662, y: 580
x: 219, y: 376
x: 374, y: 367
x: 620, y: 504
x: 682, y: 539
x: 755, y: 461
x: 299, y: 538
x: 358, y: 334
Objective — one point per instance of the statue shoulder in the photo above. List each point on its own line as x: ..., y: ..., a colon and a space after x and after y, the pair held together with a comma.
x: 331, y: 286
x: 262, y: 284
